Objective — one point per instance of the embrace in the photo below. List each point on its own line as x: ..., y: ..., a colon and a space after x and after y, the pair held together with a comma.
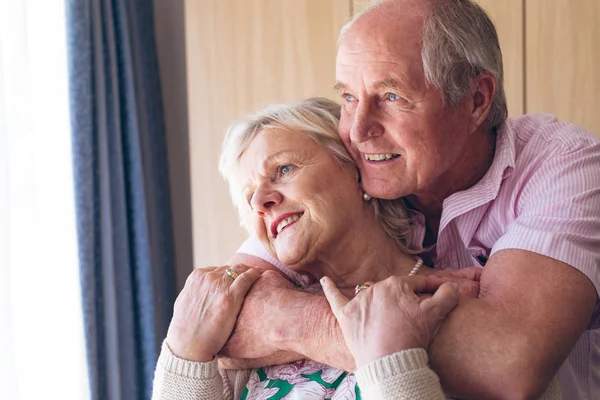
x: 412, y: 243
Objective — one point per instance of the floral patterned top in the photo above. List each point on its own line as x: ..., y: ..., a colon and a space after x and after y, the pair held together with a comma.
x: 301, y: 380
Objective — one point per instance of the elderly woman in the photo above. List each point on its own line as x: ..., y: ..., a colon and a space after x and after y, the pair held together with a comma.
x: 298, y: 191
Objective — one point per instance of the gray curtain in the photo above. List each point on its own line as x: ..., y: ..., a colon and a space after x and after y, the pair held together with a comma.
x: 122, y: 193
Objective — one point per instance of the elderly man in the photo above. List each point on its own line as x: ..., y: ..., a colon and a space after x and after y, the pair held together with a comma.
x: 424, y: 116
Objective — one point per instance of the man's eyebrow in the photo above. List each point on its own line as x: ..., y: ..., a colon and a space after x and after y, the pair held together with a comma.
x: 339, y: 86
x: 389, y: 83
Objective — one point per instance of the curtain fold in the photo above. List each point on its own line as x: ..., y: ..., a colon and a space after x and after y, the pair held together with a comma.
x: 122, y: 192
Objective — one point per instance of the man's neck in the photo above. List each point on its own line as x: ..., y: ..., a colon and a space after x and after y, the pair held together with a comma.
x: 471, y: 168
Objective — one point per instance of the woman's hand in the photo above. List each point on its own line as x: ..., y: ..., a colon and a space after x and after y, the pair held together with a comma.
x: 206, y: 310
x: 388, y: 316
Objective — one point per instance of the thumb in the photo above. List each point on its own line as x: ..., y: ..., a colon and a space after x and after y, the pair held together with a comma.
x: 442, y: 302
x: 335, y: 298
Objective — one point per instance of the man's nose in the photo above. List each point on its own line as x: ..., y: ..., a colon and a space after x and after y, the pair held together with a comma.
x: 365, y: 125
x: 264, y: 199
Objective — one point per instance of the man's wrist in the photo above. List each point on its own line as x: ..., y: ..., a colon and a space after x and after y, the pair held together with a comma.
x: 290, y: 333
x: 320, y: 337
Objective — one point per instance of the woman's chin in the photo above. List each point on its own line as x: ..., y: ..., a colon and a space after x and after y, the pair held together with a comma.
x: 291, y: 256
x: 293, y: 249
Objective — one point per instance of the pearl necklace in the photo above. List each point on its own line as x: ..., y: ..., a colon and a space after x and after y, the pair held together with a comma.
x: 417, y: 266
x: 413, y: 272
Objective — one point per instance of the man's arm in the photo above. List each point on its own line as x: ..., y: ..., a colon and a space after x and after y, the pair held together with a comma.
x: 510, y: 342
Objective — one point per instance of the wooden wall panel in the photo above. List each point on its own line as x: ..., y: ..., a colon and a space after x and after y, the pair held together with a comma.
x: 508, y: 18
x: 241, y: 55
x: 563, y: 60
x: 358, y: 5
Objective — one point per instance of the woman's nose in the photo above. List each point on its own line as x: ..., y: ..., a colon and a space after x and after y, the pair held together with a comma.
x: 264, y: 199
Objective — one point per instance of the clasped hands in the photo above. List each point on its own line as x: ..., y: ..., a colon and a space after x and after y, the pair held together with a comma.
x: 392, y: 315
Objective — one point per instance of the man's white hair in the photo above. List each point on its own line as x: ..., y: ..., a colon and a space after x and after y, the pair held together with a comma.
x: 459, y: 43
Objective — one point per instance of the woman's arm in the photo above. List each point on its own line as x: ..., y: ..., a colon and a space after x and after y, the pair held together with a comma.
x: 204, y: 316
x: 179, y: 379
x: 402, y: 375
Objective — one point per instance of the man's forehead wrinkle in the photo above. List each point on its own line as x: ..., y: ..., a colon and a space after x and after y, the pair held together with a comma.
x: 383, y: 22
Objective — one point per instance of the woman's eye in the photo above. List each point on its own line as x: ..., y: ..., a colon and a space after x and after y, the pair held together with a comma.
x: 284, y: 169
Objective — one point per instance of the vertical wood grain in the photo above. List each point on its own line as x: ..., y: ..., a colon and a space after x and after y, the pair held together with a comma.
x: 509, y: 19
x: 563, y: 60
x: 358, y: 5
x: 242, y: 55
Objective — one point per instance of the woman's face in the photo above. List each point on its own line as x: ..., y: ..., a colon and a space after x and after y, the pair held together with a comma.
x: 299, y: 199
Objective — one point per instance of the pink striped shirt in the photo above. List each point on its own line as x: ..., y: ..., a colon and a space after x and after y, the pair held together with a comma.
x: 541, y: 194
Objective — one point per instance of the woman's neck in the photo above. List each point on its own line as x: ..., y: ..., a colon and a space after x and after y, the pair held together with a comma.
x: 365, y: 253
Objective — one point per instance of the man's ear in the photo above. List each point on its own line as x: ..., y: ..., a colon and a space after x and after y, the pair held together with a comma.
x: 484, y: 89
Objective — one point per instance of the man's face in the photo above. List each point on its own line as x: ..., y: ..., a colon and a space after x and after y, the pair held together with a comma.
x: 396, y: 127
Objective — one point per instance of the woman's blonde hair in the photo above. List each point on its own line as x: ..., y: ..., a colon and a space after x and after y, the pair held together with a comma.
x: 319, y: 119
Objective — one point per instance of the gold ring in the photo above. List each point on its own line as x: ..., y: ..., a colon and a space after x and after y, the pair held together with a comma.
x: 360, y: 288
x: 231, y: 273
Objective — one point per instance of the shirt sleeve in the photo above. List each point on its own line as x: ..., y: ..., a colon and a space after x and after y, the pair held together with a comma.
x: 557, y: 207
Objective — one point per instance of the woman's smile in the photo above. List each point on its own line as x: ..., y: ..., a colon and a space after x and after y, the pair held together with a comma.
x: 284, y: 221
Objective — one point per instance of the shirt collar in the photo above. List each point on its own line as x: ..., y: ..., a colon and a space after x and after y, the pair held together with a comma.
x: 488, y: 187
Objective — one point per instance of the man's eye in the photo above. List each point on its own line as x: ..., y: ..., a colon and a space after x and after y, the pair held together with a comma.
x: 348, y: 97
x: 392, y: 97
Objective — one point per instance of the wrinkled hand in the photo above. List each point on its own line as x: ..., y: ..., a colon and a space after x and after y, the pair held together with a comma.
x: 389, y: 316
x: 206, y: 310
x: 264, y: 321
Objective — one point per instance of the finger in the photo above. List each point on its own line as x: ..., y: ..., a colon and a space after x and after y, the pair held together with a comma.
x: 197, y: 276
x: 424, y: 283
x: 471, y: 273
x: 242, y: 284
x: 237, y: 269
x: 368, y: 285
x: 442, y: 301
x: 335, y: 298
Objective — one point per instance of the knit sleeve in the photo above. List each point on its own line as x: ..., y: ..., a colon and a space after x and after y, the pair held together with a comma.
x: 402, y: 375
x: 179, y: 379
x: 406, y: 375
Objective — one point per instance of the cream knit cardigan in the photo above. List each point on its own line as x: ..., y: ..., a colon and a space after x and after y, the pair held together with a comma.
x: 403, y: 375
